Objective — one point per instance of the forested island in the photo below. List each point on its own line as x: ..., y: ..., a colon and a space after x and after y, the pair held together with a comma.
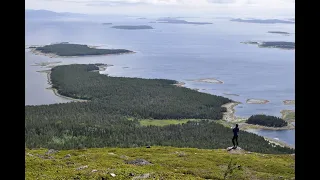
x: 116, y: 105
x: 263, y: 21
x: 67, y: 49
x: 278, y: 32
x: 273, y: 44
x: 265, y: 120
x: 132, y: 27
x: 179, y: 21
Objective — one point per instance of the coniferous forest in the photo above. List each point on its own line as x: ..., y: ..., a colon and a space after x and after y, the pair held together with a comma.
x: 66, y: 49
x: 103, y: 120
x: 266, y: 120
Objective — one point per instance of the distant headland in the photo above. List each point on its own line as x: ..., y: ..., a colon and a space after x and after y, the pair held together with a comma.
x: 263, y: 21
x: 273, y: 44
x: 132, y: 27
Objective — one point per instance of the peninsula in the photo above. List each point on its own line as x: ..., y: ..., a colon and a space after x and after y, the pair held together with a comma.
x: 273, y: 44
x: 115, y: 106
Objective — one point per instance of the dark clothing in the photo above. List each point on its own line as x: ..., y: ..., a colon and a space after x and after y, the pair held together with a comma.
x: 235, y: 136
x: 235, y: 131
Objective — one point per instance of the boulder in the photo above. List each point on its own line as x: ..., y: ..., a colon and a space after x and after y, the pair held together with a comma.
x: 143, y: 176
x: 51, y: 151
x: 82, y: 167
x: 139, y: 162
x: 236, y: 150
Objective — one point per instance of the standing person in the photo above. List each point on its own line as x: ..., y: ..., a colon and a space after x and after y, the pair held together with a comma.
x: 235, y: 136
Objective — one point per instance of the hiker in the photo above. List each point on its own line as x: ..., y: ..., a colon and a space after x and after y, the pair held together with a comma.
x: 235, y: 136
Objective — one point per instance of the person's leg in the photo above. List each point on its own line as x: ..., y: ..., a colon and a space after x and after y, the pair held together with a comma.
x: 233, y: 141
x: 237, y: 140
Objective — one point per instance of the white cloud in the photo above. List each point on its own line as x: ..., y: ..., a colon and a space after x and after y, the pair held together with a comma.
x: 227, y: 7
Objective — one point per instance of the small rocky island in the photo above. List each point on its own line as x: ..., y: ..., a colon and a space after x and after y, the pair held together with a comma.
x: 67, y: 49
x: 289, y: 102
x: 263, y: 21
x: 273, y: 44
x: 278, y: 32
x: 132, y: 27
x: 257, y: 101
x: 179, y: 21
x: 208, y: 80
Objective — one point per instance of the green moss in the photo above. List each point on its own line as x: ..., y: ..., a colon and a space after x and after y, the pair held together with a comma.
x: 168, y: 163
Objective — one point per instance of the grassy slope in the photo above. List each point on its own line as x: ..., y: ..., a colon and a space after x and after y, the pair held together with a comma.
x: 168, y: 163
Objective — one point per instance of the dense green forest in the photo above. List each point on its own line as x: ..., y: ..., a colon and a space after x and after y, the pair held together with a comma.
x: 72, y: 125
x: 266, y: 120
x: 103, y: 121
x: 273, y: 44
x: 278, y: 44
x: 145, y: 98
x: 66, y: 49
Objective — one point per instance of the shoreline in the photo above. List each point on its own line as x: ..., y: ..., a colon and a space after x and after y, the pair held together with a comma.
x: 230, y: 118
x: 208, y: 80
x: 229, y: 115
x: 180, y: 84
x: 102, y: 67
x: 246, y: 126
x: 279, y: 143
x: 55, y: 91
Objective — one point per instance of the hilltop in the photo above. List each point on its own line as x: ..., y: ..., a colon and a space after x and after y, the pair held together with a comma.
x: 156, y: 162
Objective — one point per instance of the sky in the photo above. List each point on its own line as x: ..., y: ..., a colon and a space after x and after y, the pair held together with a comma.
x: 250, y: 8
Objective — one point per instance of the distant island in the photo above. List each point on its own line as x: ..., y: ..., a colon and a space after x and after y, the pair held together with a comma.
x: 208, y: 80
x: 257, y: 101
x: 106, y: 23
x: 273, y: 44
x: 263, y: 21
x: 278, y: 32
x: 265, y: 120
x: 179, y: 21
x: 142, y: 18
x: 132, y: 27
x: 66, y: 49
x: 289, y: 102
